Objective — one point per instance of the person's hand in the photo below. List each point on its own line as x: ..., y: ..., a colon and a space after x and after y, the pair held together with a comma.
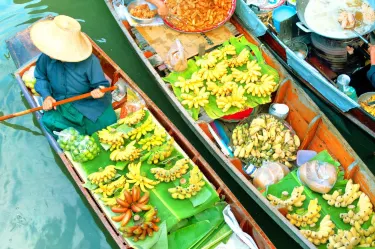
x: 162, y: 9
x: 48, y: 103
x: 97, y: 94
x: 371, y: 50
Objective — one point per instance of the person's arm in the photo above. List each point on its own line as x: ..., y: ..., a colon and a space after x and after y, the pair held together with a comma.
x: 162, y: 8
x: 97, y: 79
x: 42, y: 85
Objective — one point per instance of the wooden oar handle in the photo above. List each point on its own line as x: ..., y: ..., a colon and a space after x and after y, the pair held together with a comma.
x: 61, y: 102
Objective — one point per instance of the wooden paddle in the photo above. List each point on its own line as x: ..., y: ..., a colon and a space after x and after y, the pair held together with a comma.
x: 61, y: 102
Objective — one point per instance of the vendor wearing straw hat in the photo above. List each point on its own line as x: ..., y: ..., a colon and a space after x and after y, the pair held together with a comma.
x: 67, y: 68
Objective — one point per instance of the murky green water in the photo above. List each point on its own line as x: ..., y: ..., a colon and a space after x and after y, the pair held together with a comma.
x: 40, y: 207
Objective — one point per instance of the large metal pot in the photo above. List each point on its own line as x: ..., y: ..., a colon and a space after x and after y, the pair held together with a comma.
x: 345, y: 35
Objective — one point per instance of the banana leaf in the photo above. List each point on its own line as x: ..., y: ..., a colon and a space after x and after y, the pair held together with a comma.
x: 162, y: 242
x: 212, y: 110
x: 222, y: 234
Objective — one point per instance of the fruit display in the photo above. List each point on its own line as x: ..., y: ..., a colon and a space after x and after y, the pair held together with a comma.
x: 177, y: 171
x: 161, y: 153
x: 295, y: 199
x: 84, y: 149
x: 156, y: 139
x: 30, y: 80
x: 127, y: 153
x: 110, y: 188
x: 147, y: 126
x: 103, y: 175
x: 369, y: 108
x: 309, y: 217
x: 133, y: 118
x: 320, y: 236
x: 132, y: 202
x: 111, y: 137
x: 364, y: 207
x: 225, y: 81
x: 67, y: 137
x: 265, y: 138
x: 195, y: 184
x: 351, y: 194
x: 145, y: 228
x: 347, y: 239
x: 138, y: 179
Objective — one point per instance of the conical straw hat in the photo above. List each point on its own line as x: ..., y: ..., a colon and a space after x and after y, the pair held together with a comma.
x: 61, y: 39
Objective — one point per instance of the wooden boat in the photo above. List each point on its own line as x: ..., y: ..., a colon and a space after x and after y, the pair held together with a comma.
x: 311, y: 125
x: 25, y: 55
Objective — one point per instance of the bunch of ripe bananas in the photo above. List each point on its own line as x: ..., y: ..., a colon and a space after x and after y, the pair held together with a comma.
x: 111, y: 137
x: 262, y: 88
x: 177, y: 171
x: 215, y: 73
x: 236, y: 99
x: 196, y: 182
x: 265, y: 139
x: 239, y: 60
x: 363, y: 214
x: 157, y: 139
x: 138, y: 179
x: 369, y: 108
x: 252, y: 73
x: 206, y: 61
x: 295, y: 199
x: 351, y: 194
x: 145, y: 228
x: 321, y: 236
x: 161, y: 153
x: 192, y: 84
x: 129, y: 153
x: 198, y: 99
x: 132, y: 202
x: 133, y: 118
x: 222, y: 53
x: 103, y: 175
x: 142, y: 130
x: 225, y: 88
x: 309, y: 217
x: 345, y: 239
x: 109, y: 189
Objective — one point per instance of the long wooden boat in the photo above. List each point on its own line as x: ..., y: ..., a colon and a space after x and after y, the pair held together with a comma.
x: 25, y: 55
x: 311, y: 125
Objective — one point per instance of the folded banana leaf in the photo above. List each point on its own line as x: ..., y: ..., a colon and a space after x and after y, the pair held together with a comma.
x: 212, y: 110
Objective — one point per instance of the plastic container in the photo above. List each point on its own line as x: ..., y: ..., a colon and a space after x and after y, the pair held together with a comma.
x: 300, y: 49
x: 304, y: 156
x: 279, y: 110
x: 343, y: 80
x: 351, y: 93
x: 281, y: 14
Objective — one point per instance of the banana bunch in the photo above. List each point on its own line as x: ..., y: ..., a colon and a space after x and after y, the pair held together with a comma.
x: 196, y: 183
x: 215, y: 73
x: 132, y: 202
x: 239, y: 60
x: 367, y: 236
x: 320, y: 236
x: 265, y: 87
x: 369, y: 108
x: 103, y: 175
x: 266, y: 139
x: 145, y: 227
x: 111, y: 201
x: 236, y: 99
x: 345, y: 239
x: 197, y: 100
x: 307, y: 217
x: 364, y: 207
x: 192, y: 84
x: 129, y: 153
x: 133, y: 118
x: 351, y: 194
x: 111, y: 137
x: 110, y: 188
x: 136, y: 177
x: 166, y: 175
x: 222, y: 53
x: 157, y: 139
x: 143, y: 129
x: 221, y: 90
x: 252, y: 73
x: 296, y: 199
x: 206, y: 61
x: 161, y: 153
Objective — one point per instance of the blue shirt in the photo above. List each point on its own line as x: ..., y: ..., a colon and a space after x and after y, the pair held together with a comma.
x: 371, y: 75
x: 63, y: 80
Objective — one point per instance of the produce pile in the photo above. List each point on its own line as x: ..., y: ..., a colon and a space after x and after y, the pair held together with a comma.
x: 152, y: 192
x: 29, y: 79
x: 265, y: 138
x: 342, y: 217
x: 225, y: 81
x: 369, y: 108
